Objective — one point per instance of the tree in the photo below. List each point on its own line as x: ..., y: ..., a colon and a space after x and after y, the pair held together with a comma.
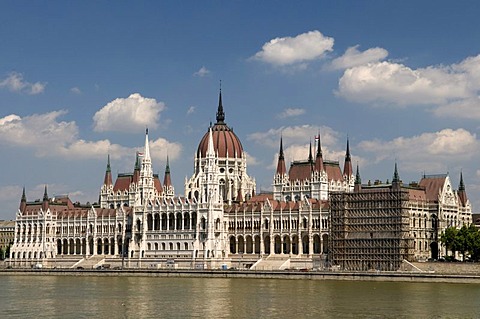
x: 449, y: 239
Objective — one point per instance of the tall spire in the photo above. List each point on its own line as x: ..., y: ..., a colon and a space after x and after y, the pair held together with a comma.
x: 396, y: 177
x: 167, y: 181
x: 147, y: 146
x: 281, y: 169
x: 23, y: 201
x: 310, y: 156
x: 319, y: 157
x: 108, y: 173
x: 220, y: 112
x: 358, y: 180
x: 347, y: 167
x: 45, y: 199
x: 462, y: 194
x: 210, y: 148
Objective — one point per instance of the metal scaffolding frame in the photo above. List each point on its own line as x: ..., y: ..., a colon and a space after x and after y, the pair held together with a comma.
x: 369, y: 229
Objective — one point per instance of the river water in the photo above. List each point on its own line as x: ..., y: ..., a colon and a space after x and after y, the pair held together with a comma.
x: 143, y: 297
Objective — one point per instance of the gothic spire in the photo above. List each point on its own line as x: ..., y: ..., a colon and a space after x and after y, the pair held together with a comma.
x: 310, y: 156
x: 462, y: 194
x: 396, y: 177
x: 45, y: 199
x: 319, y: 157
x: 281, y: 169
x: 147, y: 146
x: 358, y: 180
x: 167, y: 181
x: 347, y: 167
x: 220, y: 112
x: 461, y: 187
x: 23, y: 201
x: 108, y: 173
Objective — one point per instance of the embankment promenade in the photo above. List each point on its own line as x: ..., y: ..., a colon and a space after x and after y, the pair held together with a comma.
x: 450, y: 274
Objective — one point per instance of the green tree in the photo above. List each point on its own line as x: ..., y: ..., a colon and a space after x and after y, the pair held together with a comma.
x: 449, y: 239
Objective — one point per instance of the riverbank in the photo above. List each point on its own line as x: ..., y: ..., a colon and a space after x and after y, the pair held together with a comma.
x: 303, y: 275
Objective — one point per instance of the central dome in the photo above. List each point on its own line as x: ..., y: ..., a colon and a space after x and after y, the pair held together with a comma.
x: 224, y: 140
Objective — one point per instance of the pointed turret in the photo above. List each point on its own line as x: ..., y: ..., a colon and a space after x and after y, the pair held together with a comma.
x: 347, y: 167
x: 281, y: 168
x: 310, y: 156
x: 45, y: 199
x: 167, y: 182
x: 319, y: 157
x: 108, y: 173
x: 358, y: 181
x: 210, y: 148
x: 396, y: 183
x: 220, y: 112
x: 146, y: 154
x: 462, y: 194
x: 23, y: 201
x: 136, y: 170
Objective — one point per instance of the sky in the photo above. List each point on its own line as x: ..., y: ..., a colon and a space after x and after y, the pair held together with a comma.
x: 80, y: 80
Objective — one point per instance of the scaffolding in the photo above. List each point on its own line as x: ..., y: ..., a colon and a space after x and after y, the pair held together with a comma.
x: 370, y: 229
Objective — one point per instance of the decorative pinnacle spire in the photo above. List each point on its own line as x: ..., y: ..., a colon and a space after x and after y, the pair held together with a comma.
x: 108, y: 164
x: 220, y: 112
x: 358, y: 180
x: 45, y: 195
x: 281, y: 169
x: 281, y: 156
x: 310, y: 157
x: 319, y: 146
x: 137, y: 162
x: 347, y: 154
x: 210, y: 148
x: 396, y: 178
x: 461, y: 187
x: 147, y: 146
x: 24, y: 197
x: 167, y: 168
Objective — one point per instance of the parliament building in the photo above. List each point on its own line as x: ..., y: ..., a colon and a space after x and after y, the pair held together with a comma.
x: 317, y: 216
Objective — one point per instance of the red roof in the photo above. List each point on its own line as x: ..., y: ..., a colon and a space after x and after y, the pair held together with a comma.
x: 433, y: 185
x: 224, y: 140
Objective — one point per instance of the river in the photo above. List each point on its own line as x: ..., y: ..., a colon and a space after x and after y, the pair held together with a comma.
x: 146, y: 297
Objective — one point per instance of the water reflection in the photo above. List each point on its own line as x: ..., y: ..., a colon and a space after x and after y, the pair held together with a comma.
x: 144, y: 297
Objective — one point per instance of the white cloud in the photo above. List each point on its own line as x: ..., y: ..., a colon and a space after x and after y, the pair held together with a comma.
x: 251, y: 160
x: 352, y: 57
x: 202, y: 72
x: 15, y: 83
x: 160, y: 148
x: 398, y: 84
x: 41, y: 132
x: 290, y: 50
x: 191, y: 110
x: 75, y: 90
x: 428, y: 151
x: 131, y: 114
x: 48, y: 137
x: 448, y: 90
x: 291, y: 112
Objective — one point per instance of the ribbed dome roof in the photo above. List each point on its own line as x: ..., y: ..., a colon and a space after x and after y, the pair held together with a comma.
x: 224, y: 140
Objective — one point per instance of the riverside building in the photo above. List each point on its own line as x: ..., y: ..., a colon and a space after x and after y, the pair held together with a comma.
x: 221, y: 221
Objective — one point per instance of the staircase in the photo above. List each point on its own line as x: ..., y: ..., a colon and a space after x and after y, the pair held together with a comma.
x: 272, y: 263
x: 90, y: 262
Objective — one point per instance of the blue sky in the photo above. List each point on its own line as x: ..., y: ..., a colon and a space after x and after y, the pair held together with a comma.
x: 79, y: 80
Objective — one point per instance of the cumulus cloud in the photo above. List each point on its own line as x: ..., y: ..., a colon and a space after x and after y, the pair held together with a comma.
x: 131, y: 114
x: 49, y: 137
x: 291, y: 50
x: 427, y: 151
x: 41, y: 131
x: 161, y: 148
x: 352, y: 57
x: 15, y: 83
x: 451, y: 90
x: 291, y: 112
x: 251, y: 160
x: 202, y: 72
